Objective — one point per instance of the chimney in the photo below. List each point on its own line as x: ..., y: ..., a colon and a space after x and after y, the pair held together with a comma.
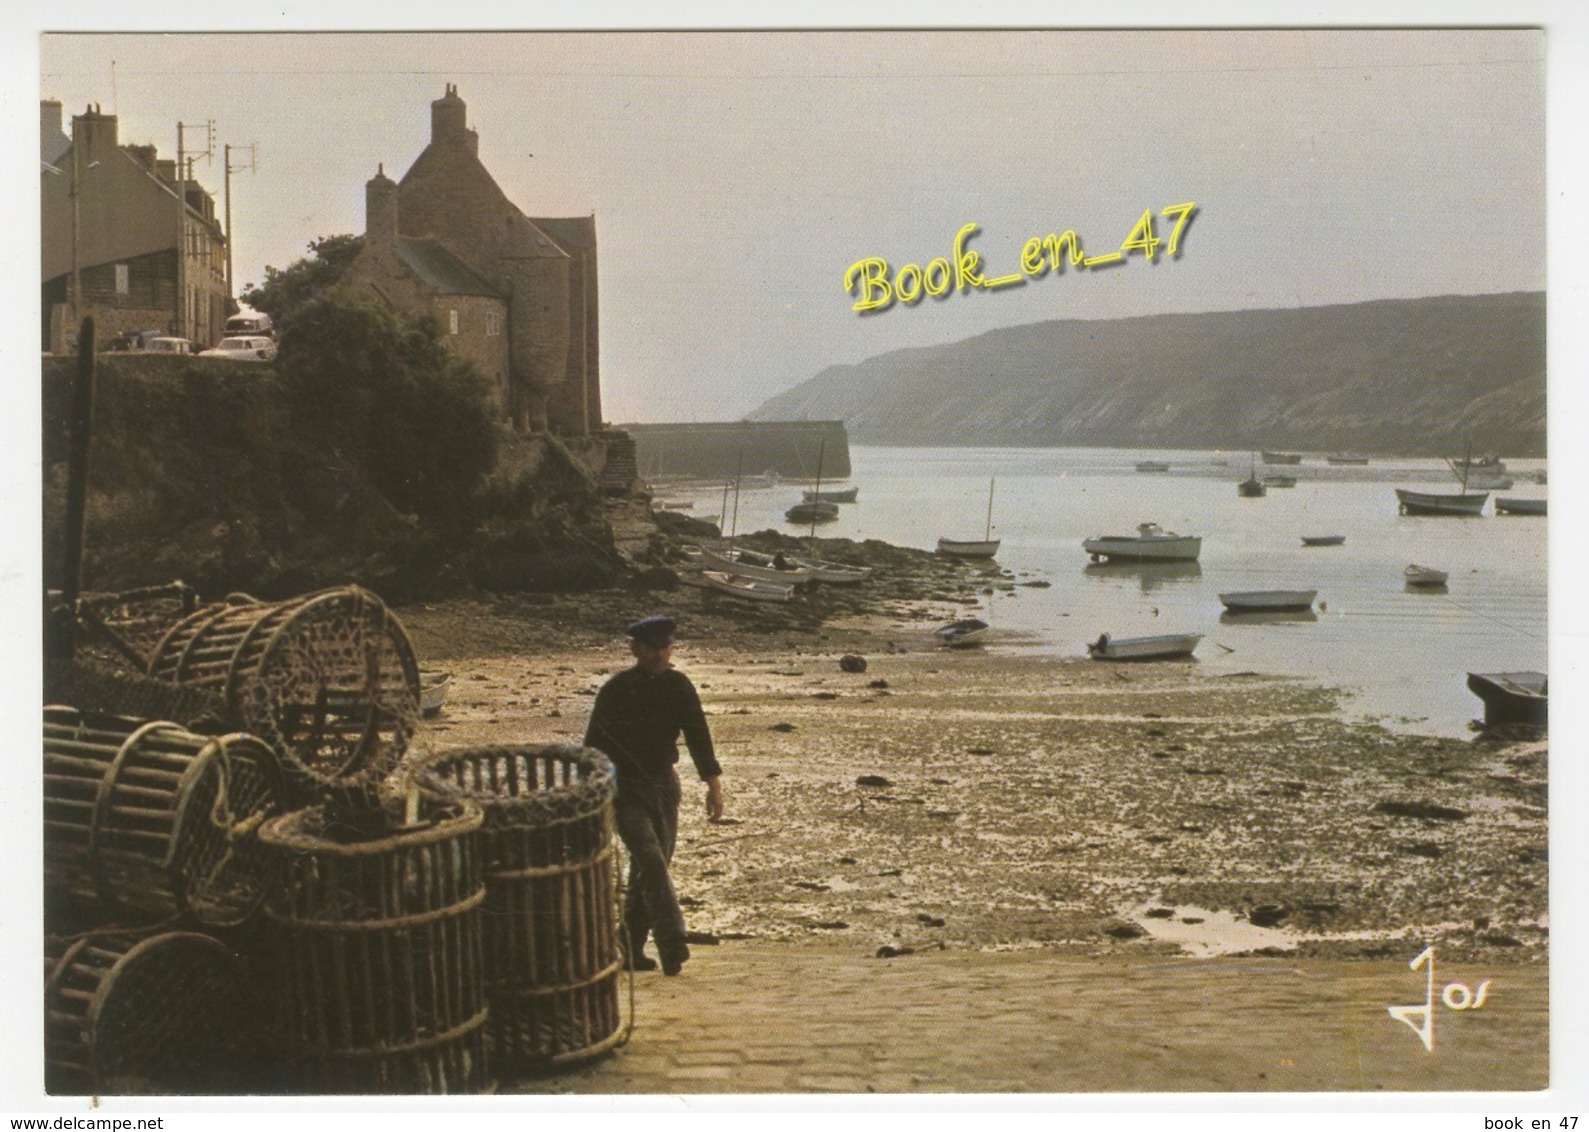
x: 380, y: 209
x: 449, y: 117
x: 49, y: 118
x: 94, y: 134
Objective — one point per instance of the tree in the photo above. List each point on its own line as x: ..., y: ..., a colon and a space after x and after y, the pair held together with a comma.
x: 285, y: 290
x: 386, y: 393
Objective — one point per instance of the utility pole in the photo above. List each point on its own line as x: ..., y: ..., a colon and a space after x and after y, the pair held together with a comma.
x: 183, y: 330
x: 252, y: 167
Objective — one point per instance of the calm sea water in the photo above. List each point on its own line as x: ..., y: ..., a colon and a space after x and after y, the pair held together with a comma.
x: 1403, y: 655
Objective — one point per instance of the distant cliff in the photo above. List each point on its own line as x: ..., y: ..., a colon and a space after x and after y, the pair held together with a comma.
x: 1411, y: 376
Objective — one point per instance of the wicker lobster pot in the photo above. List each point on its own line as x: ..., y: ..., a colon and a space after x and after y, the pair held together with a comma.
x: 376, y: 951
x: 552, y: 958
x: 162, y: 1014
x: 327, y: 679
x: 150, y: 819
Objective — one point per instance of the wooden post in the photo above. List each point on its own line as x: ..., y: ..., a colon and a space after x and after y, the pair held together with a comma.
x: 80, y: 429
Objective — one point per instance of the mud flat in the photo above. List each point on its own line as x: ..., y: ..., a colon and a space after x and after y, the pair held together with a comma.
x: 977, y: 800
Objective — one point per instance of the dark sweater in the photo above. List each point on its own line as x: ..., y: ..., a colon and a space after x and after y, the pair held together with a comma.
x: 637, y: 719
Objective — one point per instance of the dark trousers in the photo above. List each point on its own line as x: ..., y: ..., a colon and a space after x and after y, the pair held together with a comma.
x: 646, y: 812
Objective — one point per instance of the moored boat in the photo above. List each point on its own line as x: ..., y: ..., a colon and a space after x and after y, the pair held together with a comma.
x: 957, y: 548
x: 1164, y: 647
x: 1433, y: 503
x: 1323, y: 540
x: 845, y: 495
x: 958, y: 634
x: 1416, y: 575
x: 1510, y: 505
x: 1268, y: 601
x: 1339, y: 458
x: 1281, y: 457
x: 1151, y: 544
x: 1251, y: 488
x: 750, y: 588
x: 1279, y: 481
x: 834, y: 573
x: 818, y: 511
x: 1512, y: 697
x: 752, y: 564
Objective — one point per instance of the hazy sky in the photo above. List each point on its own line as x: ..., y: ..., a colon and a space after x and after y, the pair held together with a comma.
x: 735, y: 176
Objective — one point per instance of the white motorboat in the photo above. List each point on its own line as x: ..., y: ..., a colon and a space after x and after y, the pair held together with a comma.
x: 1151, y: 544
x: 1164, y: 647
x: 846, y: 495
x: 966, y: 631
x: 1417, y: 575
x: 749, y: 588
x: 1268, y: 601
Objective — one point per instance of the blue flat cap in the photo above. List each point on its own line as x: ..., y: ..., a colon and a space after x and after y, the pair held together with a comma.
x: 654, y: 631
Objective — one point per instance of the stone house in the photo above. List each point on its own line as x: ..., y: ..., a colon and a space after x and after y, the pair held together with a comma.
x: 516, y: 295
x: 111, y: 219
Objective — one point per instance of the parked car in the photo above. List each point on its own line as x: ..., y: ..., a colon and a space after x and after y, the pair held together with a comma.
x: 250, y: 323
x: 134, y: 340
x: 243, y: 349
x: 168, y: 346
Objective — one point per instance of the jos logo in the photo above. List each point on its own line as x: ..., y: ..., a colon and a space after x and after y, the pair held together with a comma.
x: 1456, y: 996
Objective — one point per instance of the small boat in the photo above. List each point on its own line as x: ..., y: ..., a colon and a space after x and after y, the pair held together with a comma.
x: 1510, y: 505
x: 987, y: 547
x: 1512, y: 697
x: 1268, y: 601
x: 1152, y: 466
x: 751, y: 588
x: 1489, y: 463
x: 1279, y: 481
x: 1416, y: 575
x: 1163, y: 647
x: 816, y: 512
x: 955, y: 548
x: 1323, y: 540
x: 1432, y: 503
x: 833, y: 573
x: 1151, y: 543
x: 847, y: 495
x: 433, y: 691
x: 1252, y: 487
x: 750, y: 564
x: 1281, y: 457
x: 1339, y: 458
x: 958, y: 634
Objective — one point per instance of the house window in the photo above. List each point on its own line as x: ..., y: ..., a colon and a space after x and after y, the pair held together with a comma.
x: 121, y: 279
x: 452, y: 322
x: 493, y: 324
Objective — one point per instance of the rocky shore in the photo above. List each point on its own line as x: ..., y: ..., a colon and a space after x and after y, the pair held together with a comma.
x: 1001, y: 799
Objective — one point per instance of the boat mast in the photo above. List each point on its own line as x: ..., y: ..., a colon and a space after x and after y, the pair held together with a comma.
x: 739, y: 469
x: 987, y: 530
x: 816, y: 496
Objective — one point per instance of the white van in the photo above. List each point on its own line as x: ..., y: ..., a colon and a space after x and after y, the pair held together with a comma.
x: 250, y: 323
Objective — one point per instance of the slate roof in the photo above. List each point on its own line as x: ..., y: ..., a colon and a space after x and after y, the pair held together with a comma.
x: 440, y: 270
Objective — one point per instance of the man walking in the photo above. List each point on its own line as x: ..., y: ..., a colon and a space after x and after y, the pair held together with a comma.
x: 636, y: 722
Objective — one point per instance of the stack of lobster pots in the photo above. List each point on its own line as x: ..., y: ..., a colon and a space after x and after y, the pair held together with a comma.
x: 417, y: 931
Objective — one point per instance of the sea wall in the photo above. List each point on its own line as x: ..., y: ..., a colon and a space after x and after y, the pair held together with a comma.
x: 793, y: 449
